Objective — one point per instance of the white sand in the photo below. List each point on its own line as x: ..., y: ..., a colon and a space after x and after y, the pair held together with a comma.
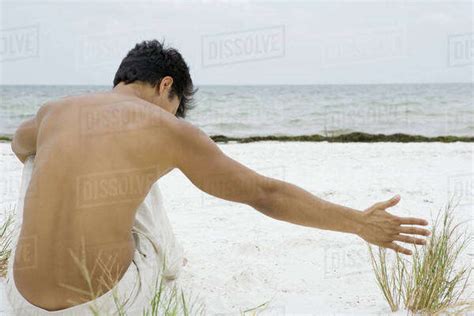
x: 239, y: 258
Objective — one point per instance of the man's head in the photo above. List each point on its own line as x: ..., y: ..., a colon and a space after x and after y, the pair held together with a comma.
x: 163, y: 69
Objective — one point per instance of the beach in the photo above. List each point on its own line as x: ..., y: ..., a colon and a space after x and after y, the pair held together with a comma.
x: 355, y: 102
x: 239, y: 258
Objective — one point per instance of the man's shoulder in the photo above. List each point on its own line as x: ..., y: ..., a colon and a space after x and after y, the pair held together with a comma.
x: 60, y: 103
x: 116, y: 109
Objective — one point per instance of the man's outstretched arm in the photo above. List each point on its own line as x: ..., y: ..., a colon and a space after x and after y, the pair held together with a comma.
x: 375, y: 225
x: 207, y: 167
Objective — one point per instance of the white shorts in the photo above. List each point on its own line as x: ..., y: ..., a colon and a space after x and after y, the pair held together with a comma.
x: 154, y: 242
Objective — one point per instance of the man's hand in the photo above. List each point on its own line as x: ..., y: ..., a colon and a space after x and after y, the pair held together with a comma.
x: 383, y: 229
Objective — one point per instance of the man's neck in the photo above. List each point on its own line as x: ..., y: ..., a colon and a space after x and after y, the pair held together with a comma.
x: 132, y: 89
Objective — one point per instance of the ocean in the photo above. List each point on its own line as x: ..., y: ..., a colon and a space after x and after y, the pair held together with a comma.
x: 290, y: 110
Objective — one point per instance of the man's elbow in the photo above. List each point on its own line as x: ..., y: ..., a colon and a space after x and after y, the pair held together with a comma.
x: 14, y: 145
x: 17, y: 152
x: 18, y: 149
x: 264, y: 195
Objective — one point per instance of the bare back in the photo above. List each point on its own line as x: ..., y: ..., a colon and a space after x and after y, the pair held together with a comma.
x: 97, y: 157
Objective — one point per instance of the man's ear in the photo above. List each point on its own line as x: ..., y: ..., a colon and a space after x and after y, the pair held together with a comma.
x: 165, y: 84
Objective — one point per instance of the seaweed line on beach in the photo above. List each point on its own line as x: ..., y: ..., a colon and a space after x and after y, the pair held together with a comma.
x: 356, y: 137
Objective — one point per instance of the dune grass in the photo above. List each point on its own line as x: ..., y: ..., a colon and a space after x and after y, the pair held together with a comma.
x: 433, y: 281
x: 389, y: 279
x: 5, y: 243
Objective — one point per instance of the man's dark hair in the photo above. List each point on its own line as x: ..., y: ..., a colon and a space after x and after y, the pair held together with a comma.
x: 150, y: 62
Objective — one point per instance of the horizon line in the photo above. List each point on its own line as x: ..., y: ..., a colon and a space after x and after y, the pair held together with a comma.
x: 258, y: 84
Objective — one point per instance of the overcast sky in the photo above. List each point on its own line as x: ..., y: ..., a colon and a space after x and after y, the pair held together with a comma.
x: 237, y: 42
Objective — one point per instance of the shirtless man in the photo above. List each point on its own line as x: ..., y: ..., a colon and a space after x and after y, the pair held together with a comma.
x: 88, y: 146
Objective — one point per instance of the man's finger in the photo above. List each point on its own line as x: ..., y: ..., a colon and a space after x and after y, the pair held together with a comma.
x: 399, y: 248
x: 412, y: 221
x: 413, y: 230
x: 389, y: 203
x: 410, y: 240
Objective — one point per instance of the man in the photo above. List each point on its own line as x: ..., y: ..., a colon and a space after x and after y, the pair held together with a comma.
x: 98, y: 155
